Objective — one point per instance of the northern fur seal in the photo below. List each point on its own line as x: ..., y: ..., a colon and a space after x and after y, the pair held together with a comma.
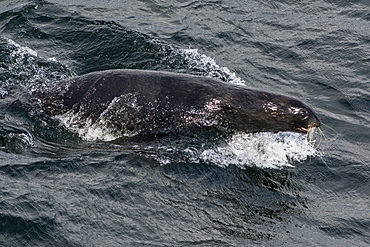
x: 157, y: 103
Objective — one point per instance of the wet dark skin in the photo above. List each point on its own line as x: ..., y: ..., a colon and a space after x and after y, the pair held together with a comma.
x: 175, y: 100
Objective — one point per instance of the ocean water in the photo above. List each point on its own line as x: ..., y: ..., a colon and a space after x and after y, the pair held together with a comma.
x: 61, y: 186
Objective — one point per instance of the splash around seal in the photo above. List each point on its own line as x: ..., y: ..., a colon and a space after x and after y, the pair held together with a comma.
x: 141, y: 102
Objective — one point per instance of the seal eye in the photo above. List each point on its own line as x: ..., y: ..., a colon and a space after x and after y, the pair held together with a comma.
x: 303, y: 114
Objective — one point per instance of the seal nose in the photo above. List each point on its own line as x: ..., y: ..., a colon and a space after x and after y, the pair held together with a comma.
x: 314, y: 122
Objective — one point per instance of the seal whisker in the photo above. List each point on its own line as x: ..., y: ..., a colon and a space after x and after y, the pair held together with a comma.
x: 336, y: 132
x: 321, y: 135
x: 310, y: 134
x: 321, y: 156
x: 325, y: 135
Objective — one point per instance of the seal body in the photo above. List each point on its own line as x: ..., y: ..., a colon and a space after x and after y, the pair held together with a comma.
x: 153, y: 102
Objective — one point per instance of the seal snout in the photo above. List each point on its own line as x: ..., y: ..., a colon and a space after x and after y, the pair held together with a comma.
x: 313, y: 123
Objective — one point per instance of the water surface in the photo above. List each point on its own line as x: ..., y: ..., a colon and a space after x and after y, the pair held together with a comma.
x: 60, y: 189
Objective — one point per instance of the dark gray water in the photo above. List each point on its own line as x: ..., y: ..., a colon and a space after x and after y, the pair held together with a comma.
x: 61, y: 186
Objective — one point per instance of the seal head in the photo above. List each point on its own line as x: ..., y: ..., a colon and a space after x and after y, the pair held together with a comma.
x: 253, y: 110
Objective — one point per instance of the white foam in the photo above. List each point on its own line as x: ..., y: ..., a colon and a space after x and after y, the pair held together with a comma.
x: 21, y: 50
x: 26, y: 71
x: 264, y: 150
x: 209, y: 65
x: 85, y: 129
x: 25, y: 138
x: 99, y: 129
x: 201, y: 63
